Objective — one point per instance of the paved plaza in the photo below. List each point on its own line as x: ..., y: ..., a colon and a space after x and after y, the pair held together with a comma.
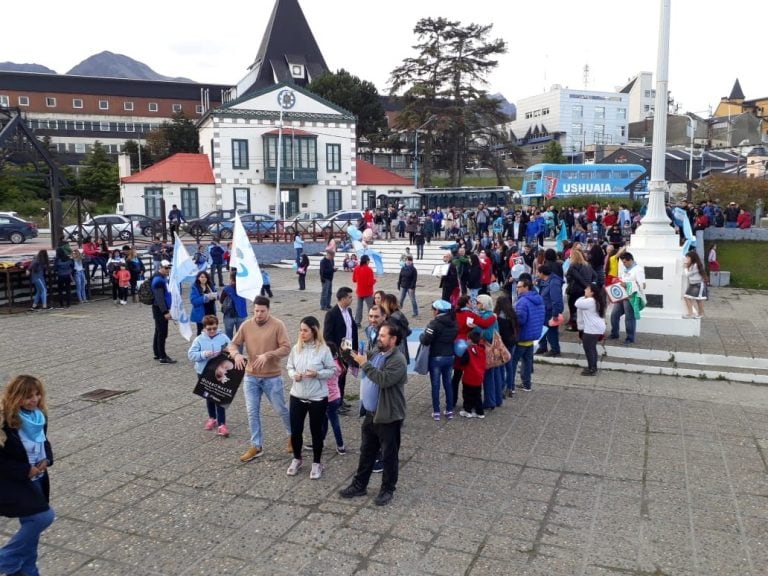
x: 625, y: 473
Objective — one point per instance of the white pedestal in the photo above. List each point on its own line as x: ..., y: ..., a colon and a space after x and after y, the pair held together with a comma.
x: 658, y: 251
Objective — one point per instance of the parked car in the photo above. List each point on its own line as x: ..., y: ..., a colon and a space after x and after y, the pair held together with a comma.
x: 144, y: 224
x: 254, y: 224
x: 16, y: 230
x: 304, y: 222
x: 120, y: 226
x: 205, y: 224
x: 339, y: 220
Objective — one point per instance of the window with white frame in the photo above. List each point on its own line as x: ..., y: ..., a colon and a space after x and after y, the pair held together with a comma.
x: 128, y: 106
x: 577, y: 129
x: 240, y: 154
x: 621, y: 113
x: 577, y: 111
x: 152, y: 107
x: 199, y: 109
x: 333, y: 157
x: 599, y: 112
x: 23, y: 100
x: 53, y: 124
x: 80, y: 148
x: 104, y: 126
x: 176, y: 107
x: 50, y: 102
x: 103, y: 104
x: 130, y: 127
x: 77, y: 102
x: 79, y: 125
x: 4, y: 100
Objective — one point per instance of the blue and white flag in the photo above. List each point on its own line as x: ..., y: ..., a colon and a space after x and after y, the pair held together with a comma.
x: 182, y: 269
x: 562, y: 236
x: 242, y: 259
x: 682, y: 222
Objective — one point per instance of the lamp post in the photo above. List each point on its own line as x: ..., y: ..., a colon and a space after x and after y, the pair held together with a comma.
x: 416, y: 151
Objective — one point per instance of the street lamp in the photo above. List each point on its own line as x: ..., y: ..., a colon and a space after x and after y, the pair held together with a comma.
x: 416, y: 151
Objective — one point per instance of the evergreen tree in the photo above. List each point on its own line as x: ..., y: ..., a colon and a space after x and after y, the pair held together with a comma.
x: 553, y: 153
x: 99, y: 179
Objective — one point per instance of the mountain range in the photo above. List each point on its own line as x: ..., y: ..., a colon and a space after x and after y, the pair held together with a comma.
x: 104, y: 64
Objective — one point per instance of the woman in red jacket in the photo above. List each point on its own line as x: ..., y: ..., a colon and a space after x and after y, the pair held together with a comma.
x: 744, y: 219
x: 365, y: 280
x: 466, y: 320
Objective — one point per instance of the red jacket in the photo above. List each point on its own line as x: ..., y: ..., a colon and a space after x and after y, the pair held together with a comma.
x: 474, y: 369
x: 744, y: 220
x: 364, y: 278
x: 486, y: 271
x: 461, y: 322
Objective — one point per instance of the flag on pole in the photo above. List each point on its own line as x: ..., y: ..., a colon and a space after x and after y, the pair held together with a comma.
x: 242, y: 259
x: 182, y: 268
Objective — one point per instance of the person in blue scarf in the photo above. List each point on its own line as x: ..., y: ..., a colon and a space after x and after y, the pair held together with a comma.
x: 25, y: 455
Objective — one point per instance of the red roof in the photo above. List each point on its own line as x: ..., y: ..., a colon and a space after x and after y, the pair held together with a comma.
x: 180, y: 168
x: 370, y: 175
x: 291, y: 132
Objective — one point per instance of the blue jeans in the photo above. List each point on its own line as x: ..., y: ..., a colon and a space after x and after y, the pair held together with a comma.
x: 253, y: 388
x: 41, y: 292
x: 326, y: 287
x: 216, y: 411
x: 333, y: 418
x: 441, y: 367
x: 403, y: 293
x: 508, y: 373
x: 80, y: 285
x: 492, y: 383
x: 623, y: 308
x: 524, y: 353
x: 552, y: 337
x: 19, y: 555
x: 231, y: 325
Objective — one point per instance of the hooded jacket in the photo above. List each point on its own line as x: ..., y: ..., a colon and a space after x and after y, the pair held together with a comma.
x: 530, y: 316
x: 439, y: 335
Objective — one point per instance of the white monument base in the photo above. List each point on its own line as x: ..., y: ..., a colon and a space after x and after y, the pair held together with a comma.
x: 659, y: 252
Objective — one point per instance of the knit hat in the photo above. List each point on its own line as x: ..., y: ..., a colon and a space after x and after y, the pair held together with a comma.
x: 442, y: 305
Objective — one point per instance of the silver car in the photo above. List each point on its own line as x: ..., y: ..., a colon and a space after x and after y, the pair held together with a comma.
x: 304, y: 222
x: 119, y: 225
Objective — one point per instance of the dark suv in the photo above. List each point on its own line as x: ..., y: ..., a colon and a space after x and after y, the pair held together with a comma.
x: 199, y: 226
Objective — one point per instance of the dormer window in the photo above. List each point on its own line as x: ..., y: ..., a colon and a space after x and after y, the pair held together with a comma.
x: 297, y: 70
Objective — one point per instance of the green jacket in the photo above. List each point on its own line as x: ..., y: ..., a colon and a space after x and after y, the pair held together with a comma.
x: 391, y: 379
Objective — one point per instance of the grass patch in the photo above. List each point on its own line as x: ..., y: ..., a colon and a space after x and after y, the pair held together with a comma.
x: 746, y: 261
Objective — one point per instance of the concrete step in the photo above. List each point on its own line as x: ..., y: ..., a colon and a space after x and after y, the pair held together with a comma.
x: 647, y: 361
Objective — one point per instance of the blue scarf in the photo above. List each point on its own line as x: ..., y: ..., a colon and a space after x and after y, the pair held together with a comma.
x: 32, y: 424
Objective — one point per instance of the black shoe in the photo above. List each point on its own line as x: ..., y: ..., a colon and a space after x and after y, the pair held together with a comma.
x: 588, y: 372
x: 552, y: 354
x: 378, y: 467
x: 155, y: 357
x: 167, y: 360
x: 384, y: 497
x: 540, y: 352
x: 352, y: 491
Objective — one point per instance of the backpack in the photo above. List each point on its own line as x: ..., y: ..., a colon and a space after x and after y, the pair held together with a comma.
x: 145, y: 293
x: 719, y: 219
x: 228, y: 307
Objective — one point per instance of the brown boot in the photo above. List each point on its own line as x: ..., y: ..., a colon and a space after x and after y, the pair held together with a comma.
x: 289, y: 448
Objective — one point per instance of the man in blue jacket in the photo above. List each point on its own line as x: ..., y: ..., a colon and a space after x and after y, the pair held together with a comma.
x: 530, y: 317
x: 161, y: 311
x: 551, y: 292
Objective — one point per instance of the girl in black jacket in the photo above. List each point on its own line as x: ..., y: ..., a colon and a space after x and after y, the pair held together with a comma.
x: 25, y: 455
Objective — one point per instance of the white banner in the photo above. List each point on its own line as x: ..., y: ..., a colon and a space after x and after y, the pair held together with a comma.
x: 242, y: 259
x: 182, y: 269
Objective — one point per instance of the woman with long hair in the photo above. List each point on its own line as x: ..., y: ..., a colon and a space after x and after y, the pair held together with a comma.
x: 596, y: 259
x: 391, y: 307
x: 696, y: 284
x: 579, y: 275
x: 591, y: 324
x: 509, y: 330
x: 203, y: 296
x: 310, y: 365
x: 38, y: 271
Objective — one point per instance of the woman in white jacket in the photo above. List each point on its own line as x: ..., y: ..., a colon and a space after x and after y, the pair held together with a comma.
x: 590, y: 319
x: 310, y: 365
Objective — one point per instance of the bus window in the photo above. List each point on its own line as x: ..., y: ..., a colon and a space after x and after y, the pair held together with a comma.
x: 620, y: 174
x: 603, y: 175
x: 531, y: 176
x: 587, y: 175
x: 569, y: 175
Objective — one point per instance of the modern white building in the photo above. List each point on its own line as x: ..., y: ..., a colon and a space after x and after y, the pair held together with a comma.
x: 575, y: 118
x: 642, y: 94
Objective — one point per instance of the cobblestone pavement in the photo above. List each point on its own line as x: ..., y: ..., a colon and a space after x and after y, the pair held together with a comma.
x: 621, y: 474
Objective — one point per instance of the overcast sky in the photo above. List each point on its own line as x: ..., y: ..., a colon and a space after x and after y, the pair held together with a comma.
x: 550, y: 41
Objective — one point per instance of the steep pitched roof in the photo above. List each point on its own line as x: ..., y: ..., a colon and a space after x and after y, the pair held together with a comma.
x: 736, y: 92
x: 179, y: 169
x: 370, y: 175
x: 287, y: 40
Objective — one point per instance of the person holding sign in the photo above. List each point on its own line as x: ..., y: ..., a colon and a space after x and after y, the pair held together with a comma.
x: 206, y: 346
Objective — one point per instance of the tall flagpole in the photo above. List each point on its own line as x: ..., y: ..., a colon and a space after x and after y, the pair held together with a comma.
x: 279, y: 162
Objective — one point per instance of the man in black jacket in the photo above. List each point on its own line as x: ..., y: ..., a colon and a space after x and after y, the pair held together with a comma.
x: 340, y: 324
x: 406, y: 283
x: 161, y: 311
x: 327, y: 270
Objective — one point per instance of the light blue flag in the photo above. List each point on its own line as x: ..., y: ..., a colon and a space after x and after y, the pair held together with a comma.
x: 681, y: 221
x: 562, y: 236
x: 243, y: 259
x: 182, y: 269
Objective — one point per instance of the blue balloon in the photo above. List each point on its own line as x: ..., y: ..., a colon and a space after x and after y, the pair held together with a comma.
x: 460, y: 347
x: 354, y: 233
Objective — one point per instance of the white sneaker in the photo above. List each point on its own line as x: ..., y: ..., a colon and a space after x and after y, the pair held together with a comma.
x: 293, y: 469
x: 316, y: 472
x: 466, y: 414
x: 123, y: 302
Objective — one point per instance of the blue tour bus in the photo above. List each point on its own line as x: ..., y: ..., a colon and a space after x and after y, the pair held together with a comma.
x: 548, y: 181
